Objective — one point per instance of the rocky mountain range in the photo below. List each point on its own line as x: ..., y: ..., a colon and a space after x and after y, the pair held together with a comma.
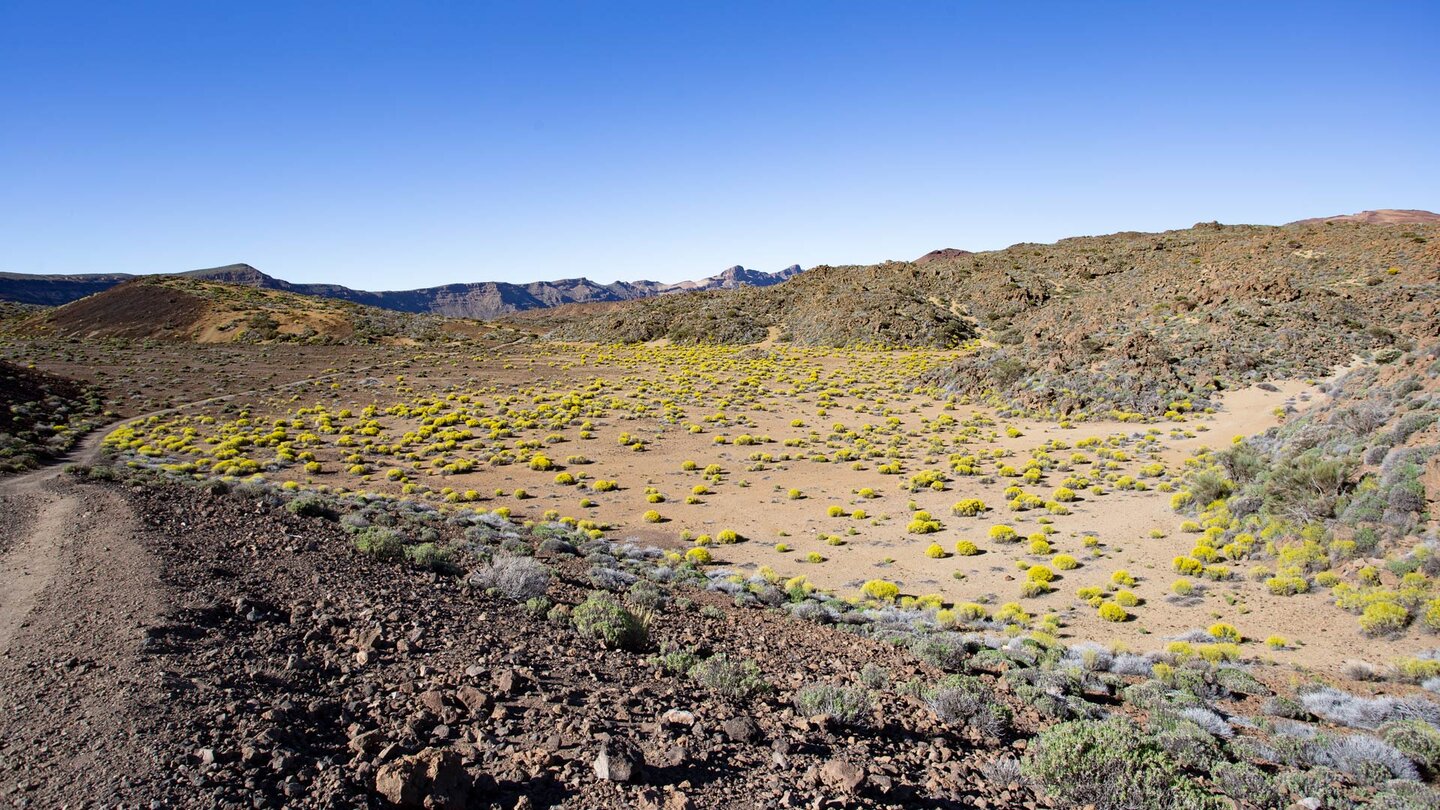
x: 482, y: 300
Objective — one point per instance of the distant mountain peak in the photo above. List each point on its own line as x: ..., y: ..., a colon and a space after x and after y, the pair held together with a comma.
x: 737, y: 276
x: 239, y: 273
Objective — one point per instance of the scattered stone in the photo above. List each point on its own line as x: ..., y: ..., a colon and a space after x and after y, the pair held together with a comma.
x: 432, y: 779
x: 670, y: 799
x: 618, y: 761
x: 740, y: 729
x: 472, y: 699
x: 842, y: 774
x: 511, y: 682
x: 678, y: 717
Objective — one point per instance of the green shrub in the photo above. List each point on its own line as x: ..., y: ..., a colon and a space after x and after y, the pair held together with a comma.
x: 1308, y: 486
x: 312, y: 505
x: 848, y: 705
x: 677, y: 661
x: 1417, y: 740
x: 1111, y: 765
x: 429, y: 556
x: 604, y: 619
x: 1243, y: 781
x: 1209, y: 486
x: 380, y: 543
x: 728, y: 678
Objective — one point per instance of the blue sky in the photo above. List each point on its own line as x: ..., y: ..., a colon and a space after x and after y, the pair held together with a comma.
x: 396, y: 145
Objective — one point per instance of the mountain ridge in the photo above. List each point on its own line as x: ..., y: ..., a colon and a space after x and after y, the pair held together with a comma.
x: 481, y: 300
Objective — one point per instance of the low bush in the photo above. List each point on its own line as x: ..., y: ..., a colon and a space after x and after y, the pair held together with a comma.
x: 380, y: 543
x: 731, y: 679
x: 1111, y: 765
x: 1383, y: 618
x: 1111, y: 612
x: 848, y: 705
x: 969, y: 507
x: 1372, y: 761
x: 881, y: 590
x: 517, y: 578
x: 1003, y: 534
x: 965, y: 701
x: 604, y: 619
x: 430, y: 557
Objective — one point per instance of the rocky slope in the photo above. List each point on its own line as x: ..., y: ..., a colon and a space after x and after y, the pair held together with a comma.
x: 40, y: 415
x: 480, y: 300
x: 1129, y: 321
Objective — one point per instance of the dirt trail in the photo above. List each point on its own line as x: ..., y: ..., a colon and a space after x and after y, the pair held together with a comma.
x: 33, y: 547
x: 77, y: 590
x: 36, y: 539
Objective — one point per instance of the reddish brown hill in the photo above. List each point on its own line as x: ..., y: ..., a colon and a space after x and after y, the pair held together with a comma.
x: 1380, y: 216
x: 131, y: 310
x: 943, y: 254
x: 186, y: 309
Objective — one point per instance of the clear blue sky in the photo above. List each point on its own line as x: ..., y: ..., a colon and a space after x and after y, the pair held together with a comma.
x: 396, y: 145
